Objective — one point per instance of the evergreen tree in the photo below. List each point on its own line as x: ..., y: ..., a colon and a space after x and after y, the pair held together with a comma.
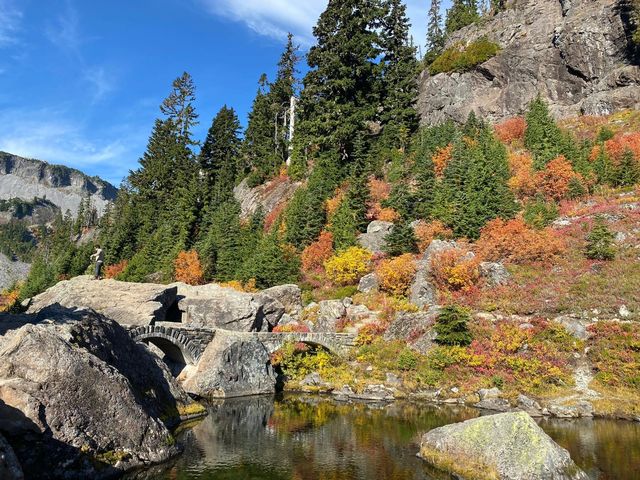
x: 452, y: 326
x: 399, y: 74
x: 475, y: 186
x: 600, y: 242
x: 219, y: 156
x: 543, y: 138
x: 435, y: 33
x: 273, y: 263
x: 461, y: 14
x: 402, y: 239
x: 178, y: 106
x: 259, y: 146
x: 628, y: 172
x: 340, y: 91
x: 221, y: 248
x: 343, y: 227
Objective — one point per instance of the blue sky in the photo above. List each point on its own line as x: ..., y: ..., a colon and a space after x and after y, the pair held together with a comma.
x: 81, y: 81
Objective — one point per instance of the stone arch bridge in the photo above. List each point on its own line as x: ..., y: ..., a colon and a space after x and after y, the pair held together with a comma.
x: 180, y: 342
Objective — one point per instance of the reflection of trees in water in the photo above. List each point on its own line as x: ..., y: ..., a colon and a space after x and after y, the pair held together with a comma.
x: 317, y: 438
x: 599, y: 447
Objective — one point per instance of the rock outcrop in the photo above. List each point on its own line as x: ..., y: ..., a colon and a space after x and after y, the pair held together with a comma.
x: 423, y: 291
x: 65, y: 187
x: 80, y: 399
x: 126, y: 303
x: 375, y: 239
x: 267, y: 197
x: 414, y: 328
x: 214, y: 306
x: 232, y: 367
x: 577, y: 54
x: 508, y: 446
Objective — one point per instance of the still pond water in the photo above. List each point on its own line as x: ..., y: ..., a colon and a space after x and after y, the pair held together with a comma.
x: 316, y: 438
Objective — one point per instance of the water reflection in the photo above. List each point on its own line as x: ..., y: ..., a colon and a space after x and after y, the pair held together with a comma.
x: 316, y: 438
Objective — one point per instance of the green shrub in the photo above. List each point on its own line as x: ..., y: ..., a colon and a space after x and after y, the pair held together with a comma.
x: 407, y: 360
x: 540, y: 213
x: 460, y: 59
x: 600, y: 242
x: 452, y: 326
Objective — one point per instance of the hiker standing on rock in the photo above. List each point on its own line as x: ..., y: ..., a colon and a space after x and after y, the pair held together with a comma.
x: 98, y: 256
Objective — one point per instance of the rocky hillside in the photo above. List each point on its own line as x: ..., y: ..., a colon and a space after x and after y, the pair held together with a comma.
x: 577, y: 54
x: 65, y: 187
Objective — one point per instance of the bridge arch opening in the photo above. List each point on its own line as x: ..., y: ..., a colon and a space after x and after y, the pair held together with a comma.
x: 170, y: 353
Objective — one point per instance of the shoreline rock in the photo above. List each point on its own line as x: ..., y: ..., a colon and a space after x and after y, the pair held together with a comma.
x: 507, y: 446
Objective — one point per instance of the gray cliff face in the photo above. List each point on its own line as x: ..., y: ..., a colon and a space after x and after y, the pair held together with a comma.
x: 65, y: 187
x: 577, y: 54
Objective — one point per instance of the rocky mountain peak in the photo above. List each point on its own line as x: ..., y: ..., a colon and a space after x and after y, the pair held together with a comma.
x: 577, y: 54
x: 64, y: 187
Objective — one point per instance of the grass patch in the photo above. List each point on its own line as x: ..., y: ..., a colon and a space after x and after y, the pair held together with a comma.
x: 461, y: 59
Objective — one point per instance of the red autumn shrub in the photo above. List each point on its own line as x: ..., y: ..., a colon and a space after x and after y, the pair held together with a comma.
x: 314, y: 256
x: 513, y: 241
x: 188, y: 268
x: 553, y: 182
x: 619, y: 144
x: 112, y: 271
x: 511, y: 130
x: 291, y: 328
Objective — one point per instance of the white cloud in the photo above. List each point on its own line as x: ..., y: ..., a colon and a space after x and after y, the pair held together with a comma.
x: 51, y: 135
x: 10, y: 22
x: 64, y: 32
x: 101, y: 81
x: 275, y: 18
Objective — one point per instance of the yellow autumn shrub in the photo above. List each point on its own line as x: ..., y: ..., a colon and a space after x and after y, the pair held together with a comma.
x: 396, y: 275
x: 347, y: 267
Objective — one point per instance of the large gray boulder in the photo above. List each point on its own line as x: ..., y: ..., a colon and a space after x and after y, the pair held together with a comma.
x: 214, y: 306
x: 375, y: 240
x: 123, y: 302
x: 414, y: 328
x: 9, y: 466
x: 494, y: 273
x: 329, y: 312
x: 80, y: 399
x: 290, y: 296
x: 508, y: 446
x: 578, y: 55
x: 232, y: 367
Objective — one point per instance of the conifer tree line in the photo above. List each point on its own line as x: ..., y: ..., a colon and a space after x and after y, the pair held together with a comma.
x: 356, y: 121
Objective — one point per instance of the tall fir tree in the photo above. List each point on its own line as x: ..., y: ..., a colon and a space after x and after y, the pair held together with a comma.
x: 461, y: 14
x: 399, y: 76
x: 219, y: 156
x: 340, y: 91
x: 258, y: 146
x: 435, y: 32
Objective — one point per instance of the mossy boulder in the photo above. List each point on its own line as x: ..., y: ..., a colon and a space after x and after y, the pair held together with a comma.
x: 508, y: 446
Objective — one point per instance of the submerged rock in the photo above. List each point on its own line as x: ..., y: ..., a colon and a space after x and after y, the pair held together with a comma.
x: 507, y: 446
x: 232, y: 367
x: 124, y: 302
x: 80, y: 399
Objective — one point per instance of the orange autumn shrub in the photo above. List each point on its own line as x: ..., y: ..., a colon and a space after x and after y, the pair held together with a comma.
x: 619, y: 144
x: 112, y: 271
x: 428, y: 232
x: 396, y: 275
x: 332, y: 204
x: 454, y: 269
x: 522, y: 181
x: 314, y: 256
x: 379, y: 191
x: 511, y: 130
x: 188, y: 268
x: 553, y: 182
x: 9, y: 299
x: 514, y: 242
x: 248, y: 287
x: 387, y: 215
x: 273, y: 216
x: 441, y: 159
